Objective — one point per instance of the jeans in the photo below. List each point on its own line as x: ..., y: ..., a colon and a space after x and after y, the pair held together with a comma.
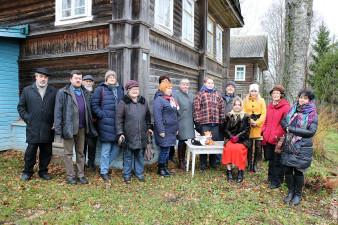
x: 128, y: 156
x: 164, y: 155
x: 108, y: 154
x: 44, y: 158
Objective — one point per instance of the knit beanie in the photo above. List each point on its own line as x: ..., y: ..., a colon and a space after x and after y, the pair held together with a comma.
x: 254, y: 87
x: 108, y: 74
x: 230, y: 83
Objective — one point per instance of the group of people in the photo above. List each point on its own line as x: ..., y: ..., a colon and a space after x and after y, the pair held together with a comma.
x: 79, y: 114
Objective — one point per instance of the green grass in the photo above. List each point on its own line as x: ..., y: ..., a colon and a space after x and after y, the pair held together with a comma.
x: 331, y: 144
x: 205, y: 199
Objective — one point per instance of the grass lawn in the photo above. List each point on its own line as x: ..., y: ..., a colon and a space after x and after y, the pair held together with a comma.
x: 208, y: 198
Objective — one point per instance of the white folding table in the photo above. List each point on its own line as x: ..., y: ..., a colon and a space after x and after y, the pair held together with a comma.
x: 217, y: 148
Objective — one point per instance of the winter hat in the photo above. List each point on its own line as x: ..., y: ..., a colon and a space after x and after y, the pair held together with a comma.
x: 230, y: 83
x: 279, y: 88
x: 108, y: 74
x: 130, y: 84
x: 254, y: 87
x: 43, y: 71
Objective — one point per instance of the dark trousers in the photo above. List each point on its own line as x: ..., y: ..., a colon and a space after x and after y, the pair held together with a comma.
x: 276, y: 169
x: 90, y: 144
x: 44, y: 157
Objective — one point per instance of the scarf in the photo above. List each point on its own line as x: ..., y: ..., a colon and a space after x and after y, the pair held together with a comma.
x: 305, y: 116
x: 239, y: 113
x: 208, y: 90
x: 114, y: 88
x: 172, y: 101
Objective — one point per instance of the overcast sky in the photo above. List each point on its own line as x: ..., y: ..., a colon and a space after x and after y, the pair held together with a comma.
x: 254, y: 10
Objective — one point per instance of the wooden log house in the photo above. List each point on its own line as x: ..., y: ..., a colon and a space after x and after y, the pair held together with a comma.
x: 139, y: 39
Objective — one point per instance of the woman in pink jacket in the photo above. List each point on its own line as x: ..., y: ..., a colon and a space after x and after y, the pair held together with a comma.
x: 271, y: 131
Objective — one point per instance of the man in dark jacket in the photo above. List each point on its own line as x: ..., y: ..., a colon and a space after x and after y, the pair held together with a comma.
x: 36, y: 108
x: 90, y: 142
x: 73, y: 120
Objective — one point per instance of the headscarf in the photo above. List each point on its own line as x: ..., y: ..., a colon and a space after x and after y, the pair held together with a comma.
x: 305, y: 115
x: 238, y: 113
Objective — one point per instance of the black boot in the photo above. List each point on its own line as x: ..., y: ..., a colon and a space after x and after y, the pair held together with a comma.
x: 291, y: 187
x: 229, y: 175
x: 299, y: 182
x: 167, y: 170
x: 172, y: 154
x: 249, y: 157
x: 258, y: 155
x: 181, y: 156
x: 161, y: 170
x: 240, y: 176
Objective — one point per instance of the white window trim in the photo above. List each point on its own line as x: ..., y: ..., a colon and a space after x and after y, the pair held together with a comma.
x: 210, y: 53
x: 219, y: 52
x: 185, y: 40
x: 258, y: 75
x: 236, y: 66
x: 73, y: 19
x: 169, y: 30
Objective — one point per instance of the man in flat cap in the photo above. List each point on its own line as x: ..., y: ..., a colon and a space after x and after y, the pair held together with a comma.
x: 73, y: 121
x: 36, y: 108
x: 90, y: 141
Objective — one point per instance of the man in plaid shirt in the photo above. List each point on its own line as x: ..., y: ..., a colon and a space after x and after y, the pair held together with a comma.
x: 209, y: 114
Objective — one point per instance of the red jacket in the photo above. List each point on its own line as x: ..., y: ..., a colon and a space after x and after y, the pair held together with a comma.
x: 272, y: 127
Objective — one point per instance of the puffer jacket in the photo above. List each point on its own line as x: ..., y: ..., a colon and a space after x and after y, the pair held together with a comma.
x: 133, y: 120
x: 301, y: 158
x: 105, y: 110
x: 64, y: 113
x: 165, y: 121
x: 237, y: 126
x: 272, y: 127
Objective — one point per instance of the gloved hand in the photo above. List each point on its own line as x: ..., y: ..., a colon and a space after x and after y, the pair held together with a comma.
x: 234, y: 139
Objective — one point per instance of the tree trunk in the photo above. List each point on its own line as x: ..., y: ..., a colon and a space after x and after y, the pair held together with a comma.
x: 297, y: 33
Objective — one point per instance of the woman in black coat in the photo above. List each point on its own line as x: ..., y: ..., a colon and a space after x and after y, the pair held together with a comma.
x: 237, y: 126
x: 300, y: 123
x: 133, y: 122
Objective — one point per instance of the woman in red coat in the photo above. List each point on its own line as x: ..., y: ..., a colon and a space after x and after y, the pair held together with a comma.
x: 271, y: 131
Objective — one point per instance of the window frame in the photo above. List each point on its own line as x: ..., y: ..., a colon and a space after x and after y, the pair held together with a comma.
x: 239, y: 66
x: 212, y: 21
x: 169, y: 30
x: 59, y: 20
x: 219, y: 52
x: 192, y: 28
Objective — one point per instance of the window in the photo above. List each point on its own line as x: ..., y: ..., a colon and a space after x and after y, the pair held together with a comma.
x: 164, y: 15
x: 219, y: 43
x: 72, y: 11
x: 210, y: 36
x: 188, y: 22
x: 239, y: 73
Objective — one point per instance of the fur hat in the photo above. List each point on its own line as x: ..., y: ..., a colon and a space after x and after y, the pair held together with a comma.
x: 108, y: 74
x: 279, y: 88
x: 254, y: 87
x: 130, y: 84
x: 230, y: 83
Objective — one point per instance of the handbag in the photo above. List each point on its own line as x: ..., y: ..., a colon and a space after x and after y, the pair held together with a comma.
x: 280, y: 145
x: 149, y: 152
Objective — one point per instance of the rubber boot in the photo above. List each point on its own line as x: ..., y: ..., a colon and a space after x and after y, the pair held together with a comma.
x: 299, y: 182
x: 181, y: 157
x: 258, y: 155
x: 291, y: 187
x: 240, y: 176
x: 172, y: 154
x: 167, y: 170
x: 229, y: 175
x: 249, y: 157
x: 161, y: 170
